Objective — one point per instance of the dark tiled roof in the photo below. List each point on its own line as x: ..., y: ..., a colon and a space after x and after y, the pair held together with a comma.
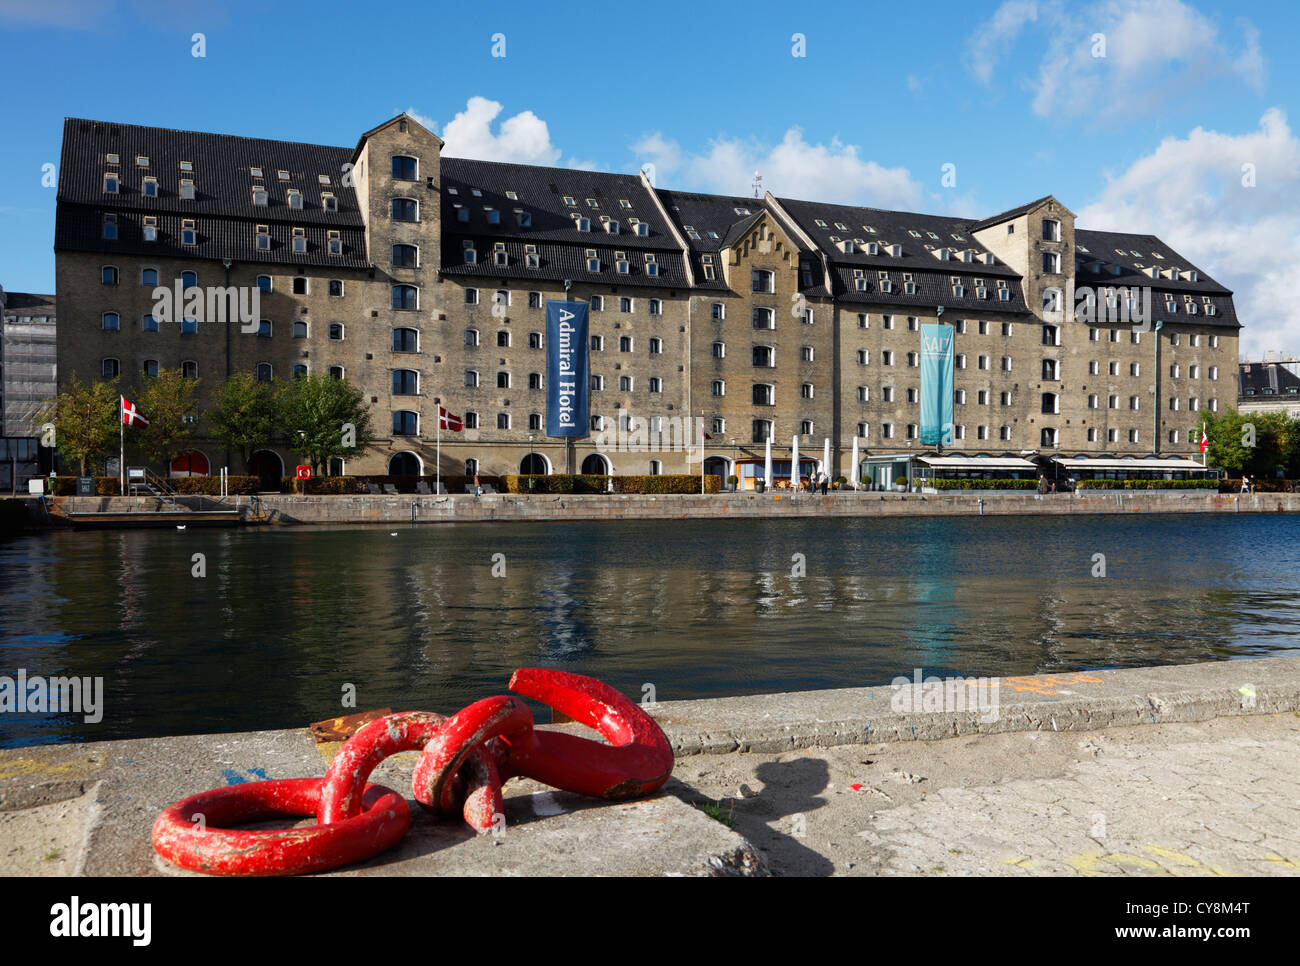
x: 1008, y: 215
x: 559, y: 261
x: 891, y: 228
x: 712, y: 217
x: 540, y: 192
x: 222, y: 207
x: 1265, y: 379
x: 1100, y: 246
x: 932, y: 288
x: 27, y: 303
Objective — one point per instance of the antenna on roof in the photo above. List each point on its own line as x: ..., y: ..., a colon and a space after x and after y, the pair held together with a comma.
x: 758, y: 185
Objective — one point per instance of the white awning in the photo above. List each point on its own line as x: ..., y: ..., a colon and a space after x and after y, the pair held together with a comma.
x: 978, y: 462
x: 1081, y: 463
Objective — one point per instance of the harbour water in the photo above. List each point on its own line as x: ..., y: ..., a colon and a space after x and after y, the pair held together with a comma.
x: 434, y: 617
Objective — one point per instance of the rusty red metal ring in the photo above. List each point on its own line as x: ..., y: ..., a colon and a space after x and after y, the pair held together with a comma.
x: 363, y: 751
x: 462, y: 735
x: 217, y: 849
x: 637, y: 761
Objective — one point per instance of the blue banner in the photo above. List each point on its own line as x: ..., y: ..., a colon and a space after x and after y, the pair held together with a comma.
x: 567, y: 384
x: 936, y: 384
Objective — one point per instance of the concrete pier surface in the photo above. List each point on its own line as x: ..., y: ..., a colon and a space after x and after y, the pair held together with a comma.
x: 288, y: 510
x: 1189, y: 770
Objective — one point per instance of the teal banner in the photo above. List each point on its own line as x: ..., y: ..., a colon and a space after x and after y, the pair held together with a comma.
x: 936, y: 384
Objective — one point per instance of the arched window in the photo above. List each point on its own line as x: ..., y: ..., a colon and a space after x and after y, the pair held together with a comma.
x: 336, y: 331
x: 405, y: 209
x: 149, y: 276
x: 110, y: 368
x: 190, y: 369
x: 405, y: 423
x: 406, y: 297
x: 406, y: 256
x: 150, y: 368
x: 405, y: 168
x: 336, y: 372
x: 407, y: 340
x: 264, y: 282
x: 110, y: 322
x: 189, y: 280
x: 148, y: 324
x: 1047, y: 437
x: 299, y: 371
x: 1051, y: 402
x: 299, y: 329
x: 264, y: 373
x: 406, y: 382
x: 264, y: 329
x: 108, y: 275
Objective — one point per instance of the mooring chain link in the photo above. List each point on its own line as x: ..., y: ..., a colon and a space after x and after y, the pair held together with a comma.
x: 464, y: 762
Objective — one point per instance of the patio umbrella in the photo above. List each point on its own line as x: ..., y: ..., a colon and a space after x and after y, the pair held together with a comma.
x: 767, y: 463
x: 857, y: 473
x: 794, y: 464
x: 826, y: 457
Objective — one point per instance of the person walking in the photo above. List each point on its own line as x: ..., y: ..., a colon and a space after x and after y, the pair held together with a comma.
x: 478, y: 487
x: 824, y: 480
x: 1245, y: 483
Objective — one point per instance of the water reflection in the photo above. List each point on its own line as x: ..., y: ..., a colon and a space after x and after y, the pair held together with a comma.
x: 284, y: 619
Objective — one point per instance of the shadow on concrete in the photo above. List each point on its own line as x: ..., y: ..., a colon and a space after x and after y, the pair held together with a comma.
x: 775, y: 820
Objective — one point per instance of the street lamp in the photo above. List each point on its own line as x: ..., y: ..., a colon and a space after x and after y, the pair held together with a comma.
x: 530, y: 461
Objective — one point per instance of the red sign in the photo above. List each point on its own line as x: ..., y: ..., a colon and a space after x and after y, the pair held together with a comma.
x: 304, y: 471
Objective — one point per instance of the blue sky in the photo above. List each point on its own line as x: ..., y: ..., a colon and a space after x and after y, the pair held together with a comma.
x: 1146, y: 131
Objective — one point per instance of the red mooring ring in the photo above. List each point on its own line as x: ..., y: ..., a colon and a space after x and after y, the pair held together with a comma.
x: 462, y: 735
x: 217, y: 849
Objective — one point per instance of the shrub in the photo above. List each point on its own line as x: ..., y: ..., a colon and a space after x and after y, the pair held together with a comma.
x: 586, y: 483
x: 211, y: 485
x: 1149, y: 484
x: 983, y: 484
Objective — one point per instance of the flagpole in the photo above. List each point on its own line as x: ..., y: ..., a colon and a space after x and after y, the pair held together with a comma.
x: 701, y: 452
x: 121, y: 445
x: 437, y: 486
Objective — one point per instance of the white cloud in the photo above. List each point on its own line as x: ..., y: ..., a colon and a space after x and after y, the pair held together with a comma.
x: 1153, y: 50
x: 992, y: 39
x: 522, y: 138
x: 793, y: 168
x: 1189, y: 192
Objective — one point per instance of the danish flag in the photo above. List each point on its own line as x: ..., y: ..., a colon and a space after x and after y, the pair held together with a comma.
x: 131, y: 415
x: 1205, y: 440
x: 447, y: 421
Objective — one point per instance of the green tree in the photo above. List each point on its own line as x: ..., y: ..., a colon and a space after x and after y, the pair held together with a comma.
x: 1228, y: 437
x: 169, y: 401
x: 246, y: 417
x: 85, y: 418
x: 324, y: 418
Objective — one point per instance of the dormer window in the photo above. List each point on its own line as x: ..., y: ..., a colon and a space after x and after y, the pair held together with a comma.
x: 896, y: 251
x: 868, y: 229
x: 187, y: 189
x: 110, y: 183
x: 652, y: 269
x: 584, y: 224
x: 111, y: 159
x: 335, y: 243
x: 501, y: 259
x: 471, y: 256
x: 189, y: 236
x: 323, y: 179
x: 611, y: 227
x: 328, y: 202
x: 150, y: 228
x: 493, y: 216
x: 259, y: 197
x: 623, y: 267
x: 295, y: 199
x: 873, y: 248
x: 592, y: 203
x: 523, y: 218
x: 187, y: 165
x: 624, y: 203
x: 255, y: 172
x: 141, y: 161
x: 593, y: 264
x: 263, y: 238
x: 282, y: 175
x: 149, y: 186
x: 568, y: 200
x: 300, y: 240
x: 532, y: 260
x: 933, y: 235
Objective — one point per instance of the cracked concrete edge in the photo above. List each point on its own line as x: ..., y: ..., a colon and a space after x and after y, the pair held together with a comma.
x: 1083, y: 701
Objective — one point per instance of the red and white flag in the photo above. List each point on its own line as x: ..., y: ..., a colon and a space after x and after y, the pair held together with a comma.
x: 131, y: 415
x: 449, y: 422
x: 1205, y: 440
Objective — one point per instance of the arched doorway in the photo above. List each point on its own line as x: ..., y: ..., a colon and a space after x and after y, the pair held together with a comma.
x: 595, y: 465
x: 534, y: 464
x: 404, y: 463
x: 717, y: 466
x: 190, y: 463
x: 267, y: 466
